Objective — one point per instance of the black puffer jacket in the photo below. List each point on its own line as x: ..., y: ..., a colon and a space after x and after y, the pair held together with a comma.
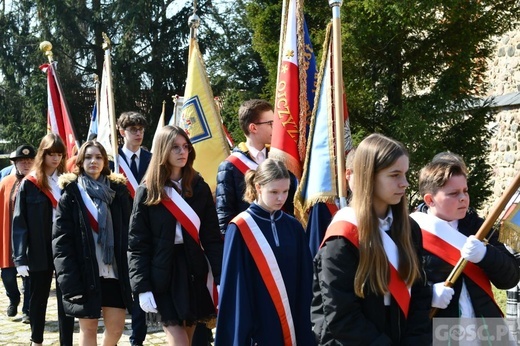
x: 339, y: 317
x: 499, y: 265
x: 74, y: 248
x: 151, y: 246
x: 32, y: 228
x: 231, y: 187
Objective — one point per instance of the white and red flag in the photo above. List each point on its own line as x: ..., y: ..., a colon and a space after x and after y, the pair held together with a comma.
x: 294, y: 91
x: 58, y: 115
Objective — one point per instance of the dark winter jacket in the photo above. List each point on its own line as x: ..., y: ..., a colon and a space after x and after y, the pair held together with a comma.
x: 152, y: 238
x: 231, y: 187
x: 32, y: 228
x: 498, y: 264
x: 74, y: 248
x: 340, y: 317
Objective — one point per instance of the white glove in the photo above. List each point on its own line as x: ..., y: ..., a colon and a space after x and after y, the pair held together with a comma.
x: 441, y: 295
x: 23, y: 270
x: 473, y: 250
x: 147, y: 302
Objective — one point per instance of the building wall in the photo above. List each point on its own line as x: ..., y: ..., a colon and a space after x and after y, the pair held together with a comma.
x: 504, y: 86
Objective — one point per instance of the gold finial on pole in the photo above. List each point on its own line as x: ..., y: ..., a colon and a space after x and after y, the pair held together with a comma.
x: 106, y: 41
x: 46, y: 48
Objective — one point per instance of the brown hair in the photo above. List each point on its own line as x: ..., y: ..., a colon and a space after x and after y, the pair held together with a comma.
x: 436, y: 174
x: 375, y: 153
x: 50, y: 144
x: 159, y: 170
x: 249, y: 112
x: 266, y: 172
x: 131, y: 118
x: 81, y: 157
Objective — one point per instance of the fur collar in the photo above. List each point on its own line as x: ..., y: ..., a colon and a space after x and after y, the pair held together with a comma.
x: 67, y: 178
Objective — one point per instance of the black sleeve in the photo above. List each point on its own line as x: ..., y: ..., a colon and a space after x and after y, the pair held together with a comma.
x: 140, y: 244
x: 334, y: 271
x: 226, y: 192
x: 418, y: 330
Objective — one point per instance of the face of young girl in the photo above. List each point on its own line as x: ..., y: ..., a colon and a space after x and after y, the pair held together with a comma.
x: 273, y: 195
x: 390, y: 185
x: 93, y: 163
x: 52, y: 160
x: 179, y: 154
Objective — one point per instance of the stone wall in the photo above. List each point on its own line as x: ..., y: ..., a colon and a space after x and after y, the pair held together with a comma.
x: 504, y: 86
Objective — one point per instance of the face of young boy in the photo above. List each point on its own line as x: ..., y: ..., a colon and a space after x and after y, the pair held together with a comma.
x: 451, y: 201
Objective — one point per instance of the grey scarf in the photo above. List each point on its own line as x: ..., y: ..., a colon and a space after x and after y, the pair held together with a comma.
x: 102, y: 196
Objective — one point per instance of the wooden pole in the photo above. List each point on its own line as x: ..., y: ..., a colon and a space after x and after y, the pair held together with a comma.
x: 339, y: 122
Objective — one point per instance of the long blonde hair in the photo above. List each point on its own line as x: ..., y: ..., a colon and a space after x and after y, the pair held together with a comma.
x: 374, y: 153
x: 159, y: 170
x: 50, y: 144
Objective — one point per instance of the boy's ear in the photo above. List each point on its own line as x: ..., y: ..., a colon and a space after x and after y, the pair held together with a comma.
x: 252, y: 128
x: 428, y: 199
x: 122, y: 132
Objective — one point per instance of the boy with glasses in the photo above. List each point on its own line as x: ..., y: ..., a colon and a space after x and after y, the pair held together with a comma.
x: 131, y: 127
x: 256, y: 120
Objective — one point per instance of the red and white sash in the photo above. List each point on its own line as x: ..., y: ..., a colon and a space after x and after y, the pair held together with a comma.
x: 131, y: 181
x: 92, y: 212
x: 54, y: 193
x: 190, y: 221
x: 269, y: 270
x: 345, y: 224
x: 442, y: 240
x: 241, y: 162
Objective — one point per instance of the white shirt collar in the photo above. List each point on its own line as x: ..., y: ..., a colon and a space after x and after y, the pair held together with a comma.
x: 386, y: 223
x: 128, y: 153
x: 254, y: 152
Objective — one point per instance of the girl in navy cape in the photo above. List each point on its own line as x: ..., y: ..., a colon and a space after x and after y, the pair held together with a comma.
x: 265, y: 291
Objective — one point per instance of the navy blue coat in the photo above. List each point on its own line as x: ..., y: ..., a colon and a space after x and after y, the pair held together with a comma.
x: 247, y: 315
x: 231, y: 187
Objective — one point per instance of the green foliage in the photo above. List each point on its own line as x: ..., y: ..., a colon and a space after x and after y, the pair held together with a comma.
x: 412, y: 70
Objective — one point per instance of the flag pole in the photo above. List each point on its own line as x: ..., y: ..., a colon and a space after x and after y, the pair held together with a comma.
x: 194, y: 23
x: 282, y: 39
x: 337, y: 71
x: 96, y: 83
x: 111, y: 107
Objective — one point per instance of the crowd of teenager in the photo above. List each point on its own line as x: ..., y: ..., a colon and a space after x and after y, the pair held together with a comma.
x: 234, y: 267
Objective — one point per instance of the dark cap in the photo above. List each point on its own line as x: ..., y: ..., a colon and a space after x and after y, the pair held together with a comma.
x: 25, y: 151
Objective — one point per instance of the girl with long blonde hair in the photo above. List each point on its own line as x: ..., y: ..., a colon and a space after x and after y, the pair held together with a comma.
x: 369, y: 286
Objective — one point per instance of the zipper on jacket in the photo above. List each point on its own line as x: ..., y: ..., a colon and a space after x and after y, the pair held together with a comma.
x: 275, y: 232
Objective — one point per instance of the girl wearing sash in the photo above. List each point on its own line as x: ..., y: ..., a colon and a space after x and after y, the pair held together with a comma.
x: 448, y: 226
x: 90, y: 238
x: 369, y: 285
x: 265, y: 293
x: 34, y: 213
x: 174, y: 241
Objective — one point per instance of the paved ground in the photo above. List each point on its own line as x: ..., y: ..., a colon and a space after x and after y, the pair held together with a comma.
x: 14, y: 332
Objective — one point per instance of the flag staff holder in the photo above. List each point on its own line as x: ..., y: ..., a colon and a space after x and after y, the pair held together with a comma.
x: 483, y: 231
x: 107, y: 45
x: 339, y: 124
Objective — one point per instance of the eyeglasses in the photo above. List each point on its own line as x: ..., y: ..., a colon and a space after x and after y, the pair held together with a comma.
x: 177, y: 149
x: 270, y: 123
x: 135, y: 130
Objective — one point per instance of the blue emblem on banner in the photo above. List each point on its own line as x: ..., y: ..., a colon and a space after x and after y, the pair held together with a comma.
x: 194, y: 120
